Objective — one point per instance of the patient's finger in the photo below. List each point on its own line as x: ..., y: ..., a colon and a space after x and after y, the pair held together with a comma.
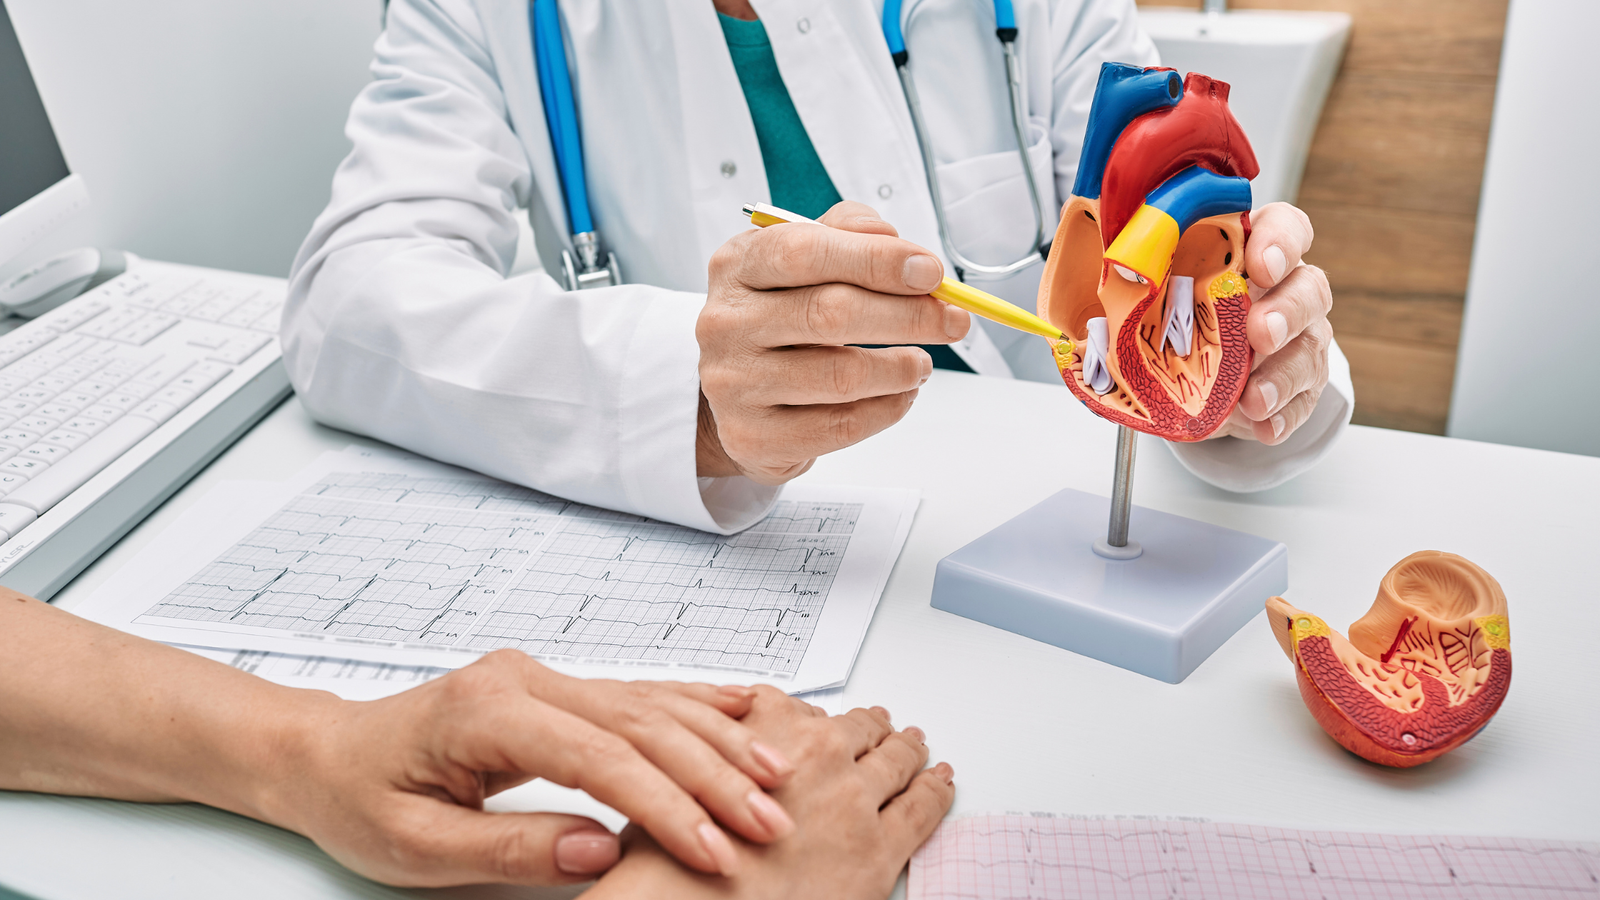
x: 864, y: 729
x: 910, y: 818
x: 890, y: 765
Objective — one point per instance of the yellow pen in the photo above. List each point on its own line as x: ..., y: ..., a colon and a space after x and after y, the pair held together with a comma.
x: 969, y: 298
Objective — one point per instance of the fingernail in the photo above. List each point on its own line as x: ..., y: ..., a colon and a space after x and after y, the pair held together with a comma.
x: 769, y: 813
x: 1277, y: 329
x: 1277, y: 426
x: 776, y: 764
x: 916, y: 734
x: 587, y: 852
x: 956, y: 323
x: 927, y: 370
x: 943, y: 770
x: 719, y: 848
x: 883, y: 712
x: 922, y: 273
x: 1269, y: 395
x: 736, y: 691
x: 1276, y: 263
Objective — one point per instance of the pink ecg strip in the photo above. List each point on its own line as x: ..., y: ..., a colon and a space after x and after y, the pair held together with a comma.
x: 1001, y: 857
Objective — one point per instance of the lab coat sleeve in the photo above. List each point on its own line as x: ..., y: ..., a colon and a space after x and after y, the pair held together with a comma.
x: 1084, y: 35
x: 401, y: 324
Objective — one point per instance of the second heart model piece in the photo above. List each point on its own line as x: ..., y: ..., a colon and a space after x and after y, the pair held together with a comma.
x: 1146, y: 270
x: 1146, y: 280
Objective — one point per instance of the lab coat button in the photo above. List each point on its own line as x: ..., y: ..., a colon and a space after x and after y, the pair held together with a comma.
x: 804, y: 25
x: 729, y: 168
x: 885, y: 191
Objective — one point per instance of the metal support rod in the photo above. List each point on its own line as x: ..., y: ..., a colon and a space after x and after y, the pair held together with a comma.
x: 1122, y: 487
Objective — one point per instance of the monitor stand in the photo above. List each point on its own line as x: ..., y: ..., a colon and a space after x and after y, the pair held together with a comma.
x: 1158, y: 606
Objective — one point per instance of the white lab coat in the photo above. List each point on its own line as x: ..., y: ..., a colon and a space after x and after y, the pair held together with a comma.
x: 402, y: 324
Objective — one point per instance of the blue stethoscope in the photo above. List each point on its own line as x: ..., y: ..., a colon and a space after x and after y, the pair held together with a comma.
x: 593, y: 268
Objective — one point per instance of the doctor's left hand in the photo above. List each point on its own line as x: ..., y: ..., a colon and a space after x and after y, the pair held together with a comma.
x: 1287, y: 326
x: 780, y: 382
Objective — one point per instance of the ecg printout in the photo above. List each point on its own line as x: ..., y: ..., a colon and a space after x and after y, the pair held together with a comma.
x: 411, y: 563
x: 1011, y: 857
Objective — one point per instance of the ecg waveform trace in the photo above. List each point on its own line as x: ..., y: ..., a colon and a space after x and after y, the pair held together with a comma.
x: 1013, y: 857
x: 481, y: 565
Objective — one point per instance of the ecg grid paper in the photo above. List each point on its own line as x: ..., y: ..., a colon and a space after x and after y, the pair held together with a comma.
x: 1011, y: 857
x: 478, y: 565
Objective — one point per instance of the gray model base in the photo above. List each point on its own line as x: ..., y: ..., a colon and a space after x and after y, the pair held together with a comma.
x: 1160, y: 614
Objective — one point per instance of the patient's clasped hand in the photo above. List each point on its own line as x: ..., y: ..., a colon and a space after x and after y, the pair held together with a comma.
x: 732, y: 791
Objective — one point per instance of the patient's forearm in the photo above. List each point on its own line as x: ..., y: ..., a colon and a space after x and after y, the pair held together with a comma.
x: 88, y: 710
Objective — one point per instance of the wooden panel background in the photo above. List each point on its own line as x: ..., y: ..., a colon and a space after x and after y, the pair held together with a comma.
x: 1392, y: 185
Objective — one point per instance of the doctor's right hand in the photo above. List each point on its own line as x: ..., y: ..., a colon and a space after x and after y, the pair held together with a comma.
x: 780, y: 382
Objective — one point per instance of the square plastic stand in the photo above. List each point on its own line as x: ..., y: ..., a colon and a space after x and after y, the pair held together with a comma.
x: 1160, y: 614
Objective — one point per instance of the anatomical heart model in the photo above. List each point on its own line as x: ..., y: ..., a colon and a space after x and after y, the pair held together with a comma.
x: 1145, y: 273
x: 1423, y: 670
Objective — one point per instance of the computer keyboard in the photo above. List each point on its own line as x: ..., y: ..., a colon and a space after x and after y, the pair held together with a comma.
x: 121, y: 395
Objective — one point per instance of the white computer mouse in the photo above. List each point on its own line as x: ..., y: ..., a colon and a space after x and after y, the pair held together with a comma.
x: 60, y: 278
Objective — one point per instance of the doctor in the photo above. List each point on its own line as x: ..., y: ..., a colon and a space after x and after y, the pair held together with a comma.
x: 720, y: 368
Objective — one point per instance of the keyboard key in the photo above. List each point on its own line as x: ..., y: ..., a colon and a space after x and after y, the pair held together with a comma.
x: 84, y: 425
x: 95, y: 388
x: 33, y: 395
x: 112, y: 322
x: 158, y: 373
x: 57, y: 411
x: 25, y: 465
x: 121, y: 400
x: 50, y: 453
x: 239, y: 349
x: 73, y: 371
x: 10, y: 481
x: 102, y: 412
x: 14, y: 518
x: 46, y: 488
x: 15, y: 407
x: 70, y: 316
x: 61, y: 437
x: 75, y: 399
x: 198, y: 379
x: 16, y: 437
x: 38, y: 424
x: 140, y: 332
x: 157, y: 411
x: 53, y: 383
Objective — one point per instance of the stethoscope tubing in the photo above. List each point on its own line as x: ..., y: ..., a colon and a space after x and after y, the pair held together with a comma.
x: 1006, y: 31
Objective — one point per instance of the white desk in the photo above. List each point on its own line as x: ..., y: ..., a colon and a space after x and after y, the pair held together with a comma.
x: 1032, y: 727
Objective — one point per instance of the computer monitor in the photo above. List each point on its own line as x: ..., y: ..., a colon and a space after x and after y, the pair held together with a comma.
x: 37, y: 190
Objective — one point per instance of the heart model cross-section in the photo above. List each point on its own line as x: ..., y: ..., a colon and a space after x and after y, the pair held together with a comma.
x: 1422, y: 672
x: 1146, y: 271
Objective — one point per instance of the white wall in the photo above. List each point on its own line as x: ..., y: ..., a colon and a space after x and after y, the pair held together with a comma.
x: 1525, y: 374
x: 208, y: 130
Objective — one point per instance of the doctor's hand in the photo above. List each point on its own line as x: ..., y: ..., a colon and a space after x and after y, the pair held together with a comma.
x: 394, y: 788
x: 862, y: 801
x: 780, y: 384
x: 1288, y: 328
